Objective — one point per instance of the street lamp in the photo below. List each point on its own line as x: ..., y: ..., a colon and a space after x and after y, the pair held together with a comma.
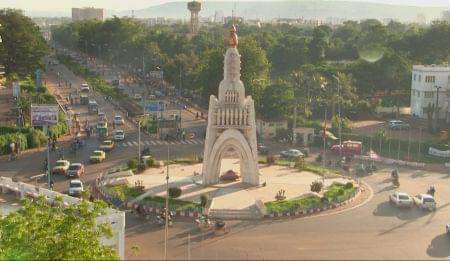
x: 436, y: 109
x: 339, y: 114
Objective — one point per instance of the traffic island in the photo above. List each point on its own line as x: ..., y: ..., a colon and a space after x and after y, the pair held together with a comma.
x: 146, y: 192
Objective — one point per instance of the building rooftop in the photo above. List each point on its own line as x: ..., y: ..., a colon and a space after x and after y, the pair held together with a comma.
x: 432, y: 68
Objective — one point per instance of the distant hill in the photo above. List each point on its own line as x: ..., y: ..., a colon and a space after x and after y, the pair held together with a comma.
x: 294, y: 9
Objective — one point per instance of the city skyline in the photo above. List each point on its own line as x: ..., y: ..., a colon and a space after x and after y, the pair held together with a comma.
x: 118, y: 5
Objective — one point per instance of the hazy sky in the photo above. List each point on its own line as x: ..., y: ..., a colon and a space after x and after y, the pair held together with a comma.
x: 65, y: 5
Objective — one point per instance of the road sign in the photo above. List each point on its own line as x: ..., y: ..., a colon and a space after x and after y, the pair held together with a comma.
x: 44, y: 115
x: 156, y: 75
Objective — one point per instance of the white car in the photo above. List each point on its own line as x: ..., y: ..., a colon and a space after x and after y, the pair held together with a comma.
x: 425, y: 201
x: 398, y: 125
x: 292, y: 153
x: 138, y: 97
x: 75, y: 187
x: 119, y: 135
x: 401, y: 199
x: 118, y: 120
x: 85, y: 88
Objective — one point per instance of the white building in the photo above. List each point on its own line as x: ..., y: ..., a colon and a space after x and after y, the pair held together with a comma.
x: 429, y: 81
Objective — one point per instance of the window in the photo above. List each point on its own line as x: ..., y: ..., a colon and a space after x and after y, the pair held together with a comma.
x: 429, y: 94
x: 430, y: 78
x: 414, y: 77
x: 418, y: 93
x: 420, y: 78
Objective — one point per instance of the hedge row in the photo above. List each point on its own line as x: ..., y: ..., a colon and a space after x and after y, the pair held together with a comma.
x: 26, y: 139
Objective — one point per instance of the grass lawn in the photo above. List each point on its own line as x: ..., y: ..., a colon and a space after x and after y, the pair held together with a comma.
x: 335, y: 193
x: 174, y: 204
x: 124, y: 192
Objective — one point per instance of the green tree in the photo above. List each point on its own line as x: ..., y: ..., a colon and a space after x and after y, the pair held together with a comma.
x: 23, y: 46
x: 278, y: 100
x: 39, y: 231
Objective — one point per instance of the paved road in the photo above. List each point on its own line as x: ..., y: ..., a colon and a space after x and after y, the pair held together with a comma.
x: 31, y: 163
x: 376, y: 230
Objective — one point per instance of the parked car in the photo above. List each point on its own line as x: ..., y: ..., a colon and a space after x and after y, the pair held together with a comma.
x: 401, y: 199
x: 61, y: 167
x: 75, y: 187
x: 398, y: 125
x: 76, y: 170
x: 118, y: 120
x: 97, y: 156
x: 292, y: 153
x: 119, y: 135
x: 85, y: 88
x: 107, y: 145
x: 425, y: 201
x: 263, y: 149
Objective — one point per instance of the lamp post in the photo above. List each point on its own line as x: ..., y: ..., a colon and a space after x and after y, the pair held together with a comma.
x: 339, y: 114
x: 166, y: 227
x: 436, y: 109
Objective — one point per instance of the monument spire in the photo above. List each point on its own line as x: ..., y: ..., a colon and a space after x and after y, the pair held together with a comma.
x: 233, y: 41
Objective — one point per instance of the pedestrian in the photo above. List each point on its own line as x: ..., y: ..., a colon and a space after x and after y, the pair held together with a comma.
x: 196, y: 115
x: 52, y: 184
x: 12, y: 146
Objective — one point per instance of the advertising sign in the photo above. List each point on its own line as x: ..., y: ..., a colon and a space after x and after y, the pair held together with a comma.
x: 44, y: 115
x: 154, y: 106
x: 16, y: 89
x: 156, y: 75
x: 439, y: 153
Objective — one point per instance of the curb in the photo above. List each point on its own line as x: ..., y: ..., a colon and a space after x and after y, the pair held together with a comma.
x: 146, y: 209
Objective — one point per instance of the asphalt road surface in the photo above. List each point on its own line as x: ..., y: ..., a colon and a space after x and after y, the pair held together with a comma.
x: 376, y: 230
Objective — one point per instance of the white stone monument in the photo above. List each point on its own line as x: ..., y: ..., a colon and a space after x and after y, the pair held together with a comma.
x: 231, y: 123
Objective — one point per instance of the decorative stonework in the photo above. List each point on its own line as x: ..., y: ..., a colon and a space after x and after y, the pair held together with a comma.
x: 231, y: 123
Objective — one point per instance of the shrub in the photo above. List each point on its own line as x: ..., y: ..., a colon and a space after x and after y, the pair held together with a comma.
x: 348, y: 185
x: 324, y: 200
x: 175, y: 192
x: 203, y: 200
x: 316, y: 186
x: 132, y: 164
x: 150, y: 162
x: 141, y: 166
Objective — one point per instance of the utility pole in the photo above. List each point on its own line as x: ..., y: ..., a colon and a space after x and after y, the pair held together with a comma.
x: 139, y: 141
x: 166, y: 228
x: 339, y: 114
x: 294, y: 125
x: 324, y: 136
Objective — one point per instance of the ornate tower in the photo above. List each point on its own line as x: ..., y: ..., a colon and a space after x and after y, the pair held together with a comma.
x: 195, y: 8
x: 231, y: 123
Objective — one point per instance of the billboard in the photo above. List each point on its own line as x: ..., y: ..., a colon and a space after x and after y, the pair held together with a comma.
x: 44, y: 115
x: 154, y: 106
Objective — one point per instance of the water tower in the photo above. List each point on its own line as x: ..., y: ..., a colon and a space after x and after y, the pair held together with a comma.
x: 194, y: 7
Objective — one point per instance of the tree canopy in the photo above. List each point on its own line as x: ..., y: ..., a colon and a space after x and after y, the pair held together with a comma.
x: 370, y: 57
x: 39, y: 231
x: 23, y: 46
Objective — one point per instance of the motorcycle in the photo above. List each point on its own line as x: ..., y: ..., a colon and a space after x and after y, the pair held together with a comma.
x: 161, y: 219
x: 396, y: 182
x: 431, y: 191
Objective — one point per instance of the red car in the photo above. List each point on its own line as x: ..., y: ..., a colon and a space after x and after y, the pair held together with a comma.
x: 75, y: 170
x: 348, y: 148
